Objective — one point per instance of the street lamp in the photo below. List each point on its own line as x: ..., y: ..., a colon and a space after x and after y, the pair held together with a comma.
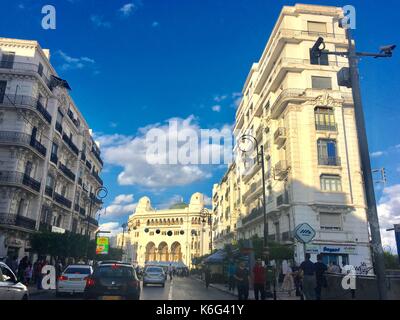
x: 205, y: 214
x: 99, y: 194
x: 124, y: 225
x: 349, y: 77
x: 260, y: 160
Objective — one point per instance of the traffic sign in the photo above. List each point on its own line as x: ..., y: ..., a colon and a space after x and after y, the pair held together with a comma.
x: 304, y: 233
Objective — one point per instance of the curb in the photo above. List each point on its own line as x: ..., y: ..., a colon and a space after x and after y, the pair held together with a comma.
x: 218, y: 288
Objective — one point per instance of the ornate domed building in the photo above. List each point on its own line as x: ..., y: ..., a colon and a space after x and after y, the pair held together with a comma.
x: 177, y: 234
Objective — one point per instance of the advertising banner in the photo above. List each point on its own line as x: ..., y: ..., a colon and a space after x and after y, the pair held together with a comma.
x: 102, y: 245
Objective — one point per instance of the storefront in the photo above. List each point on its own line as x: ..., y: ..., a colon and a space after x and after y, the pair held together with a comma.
x: 340, y: 254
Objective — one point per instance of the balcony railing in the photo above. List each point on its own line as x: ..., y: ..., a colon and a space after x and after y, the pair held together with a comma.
x: 83, y: 157
x: 255, y: 213
x: 43, y: 111
x: 67, y: 171
x: 70, y: 144
x: 17, y: 220
x: 28, y: 102
x: 329, y: 161
x: 95, y: 199
x: 96, y: 176
x: 88, y: 165
x: 326, y: 127
x: 281, y: 169
x: 280, y: 136
x: 282, y: 199
x: 58, y: 127
x: 14, y: 177
x: 93, y: 221
x: 62, y: 200
x: 22, y: 138
x: 97, y: 155
x: 25, y: 67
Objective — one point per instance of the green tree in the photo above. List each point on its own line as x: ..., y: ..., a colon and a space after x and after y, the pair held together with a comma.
x: 391, y: 261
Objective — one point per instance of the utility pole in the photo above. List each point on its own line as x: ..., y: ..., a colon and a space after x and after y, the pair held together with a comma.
x: 350, y: 77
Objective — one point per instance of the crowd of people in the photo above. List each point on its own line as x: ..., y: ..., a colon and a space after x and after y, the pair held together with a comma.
x: 305, y: 280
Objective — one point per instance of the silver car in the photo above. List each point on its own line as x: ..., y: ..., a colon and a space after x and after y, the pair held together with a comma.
x: 154, y: 275
x: 10, y: 287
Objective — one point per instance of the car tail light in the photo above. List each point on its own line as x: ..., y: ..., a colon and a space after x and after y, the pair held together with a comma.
x: 62, y: 278
x: 89, y: 282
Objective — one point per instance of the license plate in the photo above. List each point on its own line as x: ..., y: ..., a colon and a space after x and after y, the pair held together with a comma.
x: 76, y: 279
x: 111, y: 298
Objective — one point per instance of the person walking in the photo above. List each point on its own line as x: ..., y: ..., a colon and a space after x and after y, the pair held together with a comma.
x: 23, y: 264
x: 170, y: 271
x: 231, y: 275
x: 297, y: 277
x: 28, y: 273
x: 288, y: 281
x: 320, y: 269
x: 308, y: 274
x: 207, y: 276
x: 334, y: 268
x: 242, y: 278
x: 259, y: 280
x: 38, y: 273
x: 59, y: 269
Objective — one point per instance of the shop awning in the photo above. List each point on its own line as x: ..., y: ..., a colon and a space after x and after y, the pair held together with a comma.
x: 217, y: 257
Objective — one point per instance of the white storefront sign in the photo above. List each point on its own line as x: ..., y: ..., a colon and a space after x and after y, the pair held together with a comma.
x: 57, y: 229
x: 330, y: 249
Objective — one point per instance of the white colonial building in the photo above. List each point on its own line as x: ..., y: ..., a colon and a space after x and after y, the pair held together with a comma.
x: 305, y: 121
x: 177, y: 234
x: 49, y: 162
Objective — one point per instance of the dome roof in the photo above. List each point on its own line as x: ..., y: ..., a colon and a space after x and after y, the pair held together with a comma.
x: 196, y: 201
x: 144, y: 204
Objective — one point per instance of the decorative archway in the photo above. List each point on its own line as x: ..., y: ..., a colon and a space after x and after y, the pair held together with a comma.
x: 163, y: 252
x: 150, y: 252
x: 176, y: 252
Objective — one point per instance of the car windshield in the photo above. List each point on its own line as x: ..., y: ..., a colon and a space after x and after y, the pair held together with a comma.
x: 154, y: 270
x: 114, y: 271
x: 76, y: 270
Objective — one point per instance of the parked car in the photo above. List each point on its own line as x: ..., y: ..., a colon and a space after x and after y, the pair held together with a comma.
x: 154, y: 275
x: 113, y: 281
x: 73, y: 279
x: 10, y: 287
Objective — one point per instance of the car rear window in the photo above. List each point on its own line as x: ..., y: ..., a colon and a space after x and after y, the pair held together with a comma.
x: 114, y: 271
x: 154, y: 269
x: 75, y: 270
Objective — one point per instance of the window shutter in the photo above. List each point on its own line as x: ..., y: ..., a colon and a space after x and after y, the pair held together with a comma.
x: 319, y: 27
x: 331, y: 221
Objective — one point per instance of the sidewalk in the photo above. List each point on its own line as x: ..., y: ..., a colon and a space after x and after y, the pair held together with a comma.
x: 33, y: 291
x: 280, y: 295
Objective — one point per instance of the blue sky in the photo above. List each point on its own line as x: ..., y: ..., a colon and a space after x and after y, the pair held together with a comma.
x: 137, y: 64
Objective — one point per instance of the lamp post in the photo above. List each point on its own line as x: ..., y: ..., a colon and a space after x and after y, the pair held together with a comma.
x: 349, y: 77
x: 124, y: 225
x: 205, y: 214
x: 260, y: 160
x: 99, y: 194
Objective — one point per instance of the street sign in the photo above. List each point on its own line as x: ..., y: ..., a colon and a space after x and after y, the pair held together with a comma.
x: 102, y: 245
x: 304, y: 233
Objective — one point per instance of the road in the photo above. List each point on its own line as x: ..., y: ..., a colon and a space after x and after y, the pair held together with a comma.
x: 177, y: 289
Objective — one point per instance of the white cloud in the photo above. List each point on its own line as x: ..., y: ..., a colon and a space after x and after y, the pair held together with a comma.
x: 216, y: 108
x: 113, y: 227
x: 155, y: 24
x: 377, y: 154
x: 127, y: 9
x: 113, y: 124
x: 121, y: 206
x: 21, y: 6
x: 207, y: 200
x: 220, y: 98
x: 123, y: 198
x: 130, y: 153
x: 389, y: 214
x: 75, y: 63
x: 98, y: 21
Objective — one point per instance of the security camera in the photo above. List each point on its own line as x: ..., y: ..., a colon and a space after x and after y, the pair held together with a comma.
x: 388, y: 49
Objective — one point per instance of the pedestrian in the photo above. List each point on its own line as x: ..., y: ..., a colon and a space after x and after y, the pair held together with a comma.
x: 231, y: 275
x: 334, y: 268
x: 308, y: 274
x: 38, y: 273
x: 259, y: 280
x: 207, y: 276
x: 28, y: 273
x: 59, y: 268
x: 288, y: 281
x: 242, y: 278
x: 170, y: 271
x: 297, y: 277
x: 320, y: 269
x: 23, y: 264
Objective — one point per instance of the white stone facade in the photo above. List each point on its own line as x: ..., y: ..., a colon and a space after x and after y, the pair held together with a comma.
x: 49, y: 162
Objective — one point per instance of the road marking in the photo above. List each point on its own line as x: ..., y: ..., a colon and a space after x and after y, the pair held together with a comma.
x: 170, y: 290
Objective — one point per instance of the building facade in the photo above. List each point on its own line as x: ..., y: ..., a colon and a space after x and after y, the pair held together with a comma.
x: 49, y: 162
x: 178, y: 234
x: 295, y: 109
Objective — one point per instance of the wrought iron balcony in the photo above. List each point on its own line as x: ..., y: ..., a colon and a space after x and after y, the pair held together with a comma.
x: 54, y: 158
x: 82, y: 211
x: 329, y: 161
x: 58, y: 127
x: 19, y: 178
x: 70, y: 144
x: 95, y: 199
x: 255, y: 213
x: 96, y: 176
x: 326, y: 127
x: 38, y: 146
x: 25, y: 67
x: 62, y: 200
x: 22, y: 138
x: 282, y: 199
x: 17, y: 220
x: 97, y: 155
x: 93, y: 221
x: 88, y: 165
x: 280, y: 136
x: 67, y: 171
x: 43, y: 111
x: 83, y: 157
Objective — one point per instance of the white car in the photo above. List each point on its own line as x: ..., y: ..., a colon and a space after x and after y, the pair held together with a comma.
x: 73, y: 279
x: 10, y: 287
